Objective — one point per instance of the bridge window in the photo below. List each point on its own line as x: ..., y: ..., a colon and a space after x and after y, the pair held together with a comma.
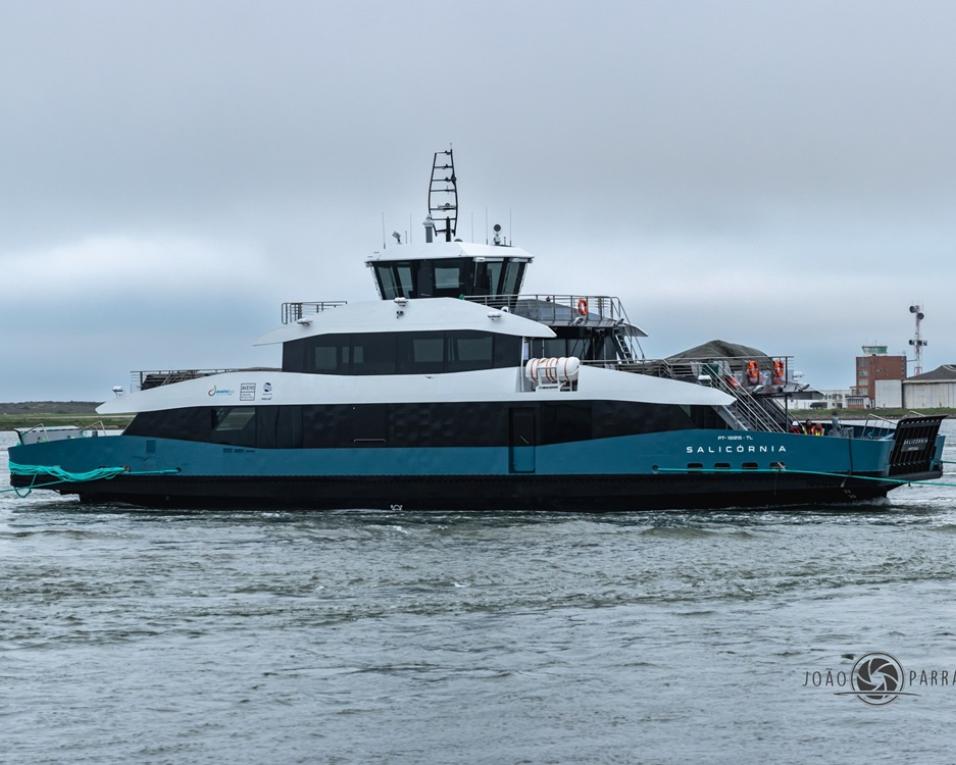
x: 448, y: 277
x: 488, y: 277
x: 512, y: 283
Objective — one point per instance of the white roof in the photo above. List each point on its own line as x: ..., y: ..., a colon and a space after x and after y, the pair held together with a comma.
x: 421, y: 315
x: 275, y: 388
x: 449, y: 250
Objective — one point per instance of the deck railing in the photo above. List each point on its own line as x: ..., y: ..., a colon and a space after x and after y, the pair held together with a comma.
x: 559, y: 309
x: 144, y: 379
x: 296, y: 310
x: 754, y: 408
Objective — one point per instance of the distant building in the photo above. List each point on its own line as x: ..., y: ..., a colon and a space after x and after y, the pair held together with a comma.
x: 931, y: 390
x: 836, y: 398
x: 875, y: 365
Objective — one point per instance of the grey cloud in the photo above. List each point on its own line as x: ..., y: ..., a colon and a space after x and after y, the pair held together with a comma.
x: 774, y: 172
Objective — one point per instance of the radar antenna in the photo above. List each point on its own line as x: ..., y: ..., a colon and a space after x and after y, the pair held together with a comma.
x: 443, y: 194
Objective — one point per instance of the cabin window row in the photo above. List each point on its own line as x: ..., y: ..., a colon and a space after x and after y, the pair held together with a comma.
x: 390, y: 353
x: 414, y: 425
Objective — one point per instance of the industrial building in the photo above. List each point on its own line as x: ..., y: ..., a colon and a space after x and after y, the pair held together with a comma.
x: 872, y: 366
x: 931, y: 390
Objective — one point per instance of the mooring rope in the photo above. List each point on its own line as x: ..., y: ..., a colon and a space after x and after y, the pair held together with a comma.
x: 779, y: 471
x: 67, y: 476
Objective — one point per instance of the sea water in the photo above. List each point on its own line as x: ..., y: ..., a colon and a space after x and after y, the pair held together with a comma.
x: 131, y: 636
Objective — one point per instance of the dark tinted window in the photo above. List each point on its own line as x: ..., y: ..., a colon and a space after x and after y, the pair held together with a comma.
x: 293, y: 355
x: 448, y: 278
x: 330, y: 355
x: 374, y: 354
x: 507, y: 351
x: 234, y: 425
x: 368, y: 424
x: 190, y: 424
x: 565, y: 422
x: 421, y: 353
x: 386, y: 281
x: 470, y: 350
x: 512, y: 279
x: 488, y: 277
x: 410, y: 425
x: 401, y: 353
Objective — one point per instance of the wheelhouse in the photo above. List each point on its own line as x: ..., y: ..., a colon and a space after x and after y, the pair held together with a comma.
x: 453, y: 269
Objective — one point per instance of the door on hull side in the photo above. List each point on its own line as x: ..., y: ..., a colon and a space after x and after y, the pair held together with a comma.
x: 523, y: 440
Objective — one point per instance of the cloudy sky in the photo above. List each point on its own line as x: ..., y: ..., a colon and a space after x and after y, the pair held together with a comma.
x: 782, y: 174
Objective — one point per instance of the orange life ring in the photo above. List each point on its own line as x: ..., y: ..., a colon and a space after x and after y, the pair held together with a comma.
x: 779, y: 372
x: 583, y: 306
x: 753, y: 372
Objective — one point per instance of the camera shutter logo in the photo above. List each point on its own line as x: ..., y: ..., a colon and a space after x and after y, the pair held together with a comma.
x: 877, y: 678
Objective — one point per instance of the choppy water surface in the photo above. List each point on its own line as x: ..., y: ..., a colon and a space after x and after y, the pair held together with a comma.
x: 373, y: 637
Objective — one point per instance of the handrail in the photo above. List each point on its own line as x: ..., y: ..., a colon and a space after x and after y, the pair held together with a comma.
x: 580, y: 307
x: 749, y: 410
x: 295, y: 310
x: 167, y: 376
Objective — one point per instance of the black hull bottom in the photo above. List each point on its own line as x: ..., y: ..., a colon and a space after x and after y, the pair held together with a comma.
x: 519, y: 493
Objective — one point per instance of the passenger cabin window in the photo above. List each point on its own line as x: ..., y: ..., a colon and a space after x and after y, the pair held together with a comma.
x: 589, y: 345
x: 449, y: 277
x: 388, y: 353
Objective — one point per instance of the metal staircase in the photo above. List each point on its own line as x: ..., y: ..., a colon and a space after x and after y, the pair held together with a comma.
x: 622, y: 345
x: 747, y: 412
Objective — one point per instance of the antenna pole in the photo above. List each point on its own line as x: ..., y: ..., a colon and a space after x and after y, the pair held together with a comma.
x: 486, y: 224
x: 384, y: 240
x: 917, y: 340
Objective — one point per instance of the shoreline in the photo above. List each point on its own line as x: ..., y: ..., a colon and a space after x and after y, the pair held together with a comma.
x: 13, y: 421
x: 863, y: 414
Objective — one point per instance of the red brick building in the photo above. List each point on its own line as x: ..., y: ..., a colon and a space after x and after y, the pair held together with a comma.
x: 877, y: 366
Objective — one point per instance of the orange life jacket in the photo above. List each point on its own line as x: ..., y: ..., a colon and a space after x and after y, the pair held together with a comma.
x: 753, y: 372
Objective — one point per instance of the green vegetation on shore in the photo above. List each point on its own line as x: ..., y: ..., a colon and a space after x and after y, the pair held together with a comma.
x: 29, y: 414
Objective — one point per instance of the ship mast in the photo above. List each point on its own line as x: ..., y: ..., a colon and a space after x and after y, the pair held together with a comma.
x: 443, y: 195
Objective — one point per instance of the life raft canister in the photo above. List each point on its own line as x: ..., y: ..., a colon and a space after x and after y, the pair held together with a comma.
x: 753, y: 372
x: 779, y: 372
x: 583, y: 306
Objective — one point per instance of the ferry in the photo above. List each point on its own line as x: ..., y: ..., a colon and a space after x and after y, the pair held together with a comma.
x: 455, y: 390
